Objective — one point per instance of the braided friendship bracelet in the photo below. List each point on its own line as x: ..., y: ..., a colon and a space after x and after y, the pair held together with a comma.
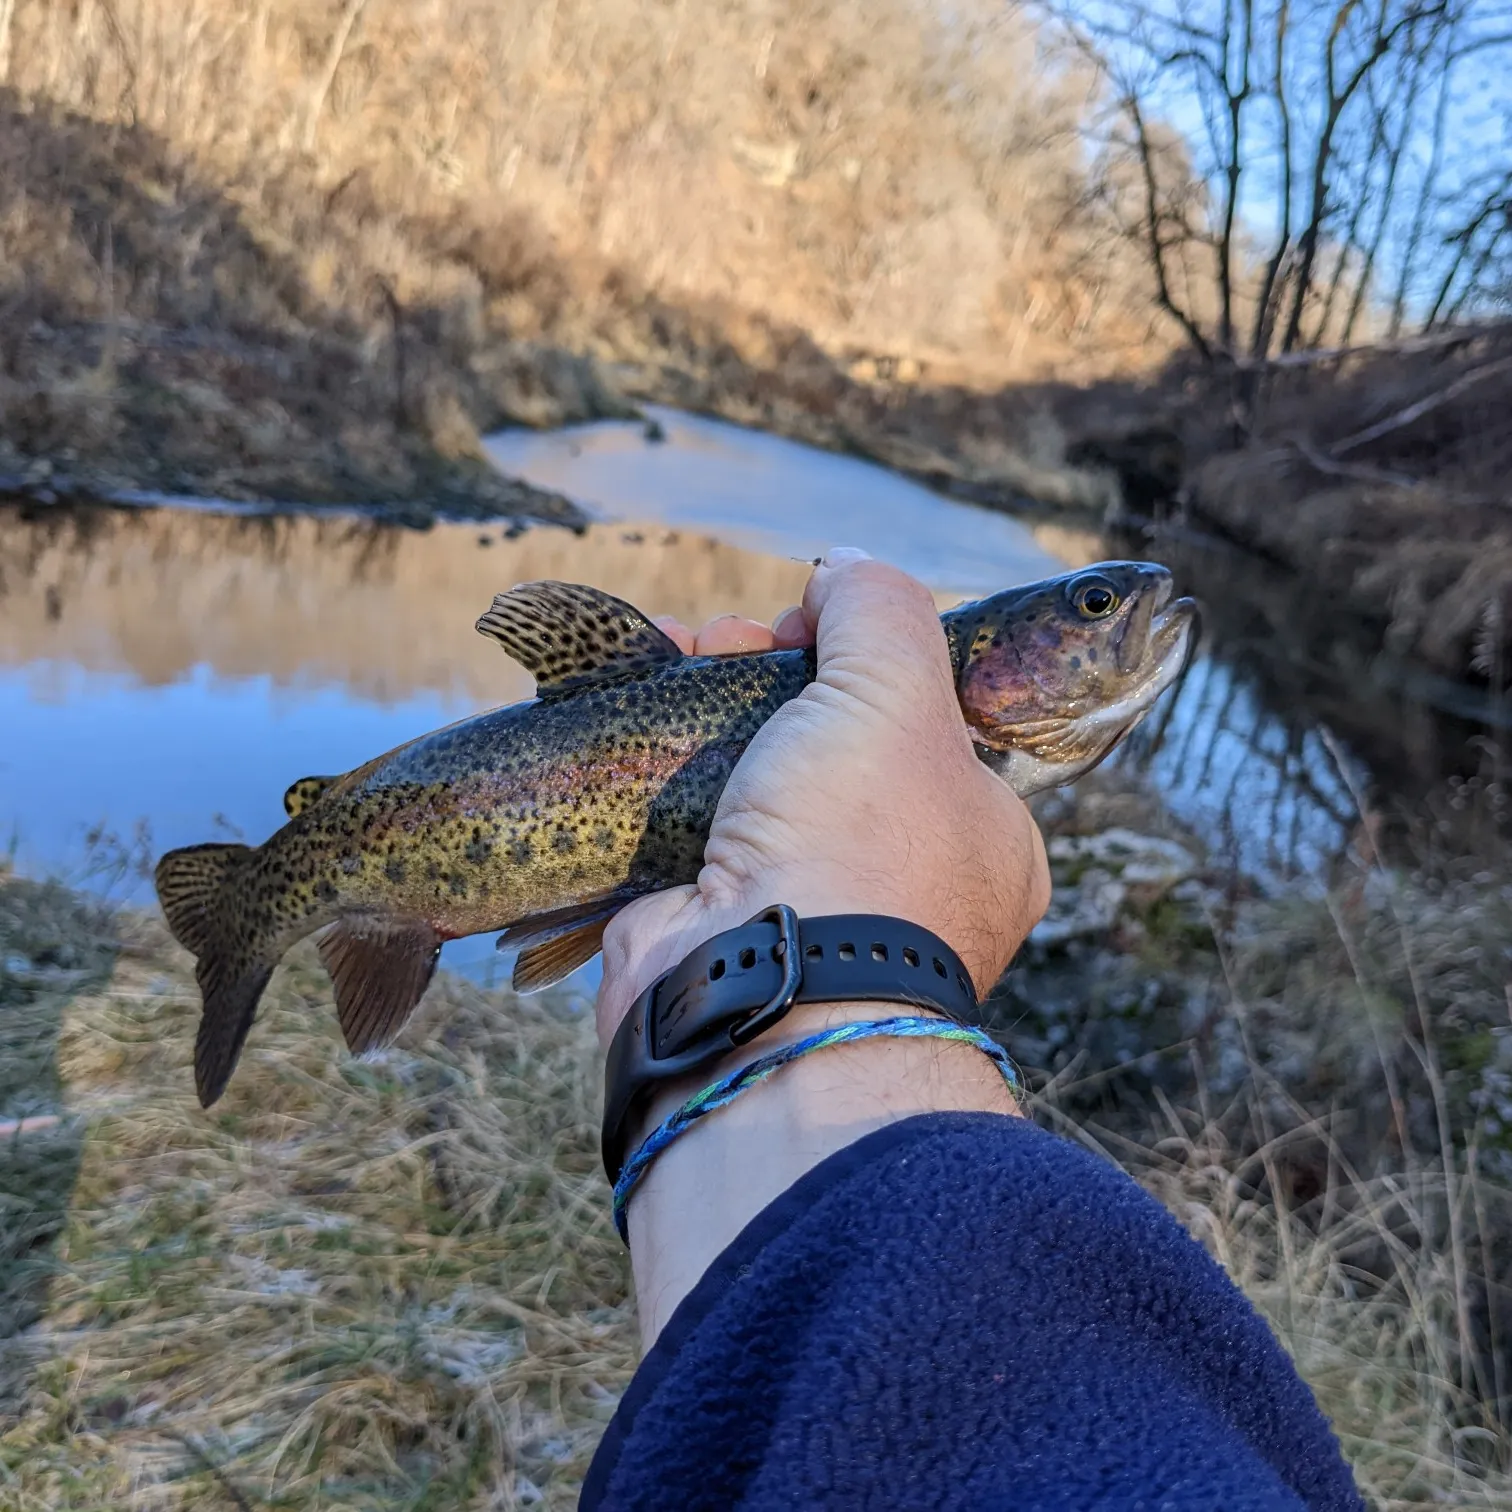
x: 728, y: 1088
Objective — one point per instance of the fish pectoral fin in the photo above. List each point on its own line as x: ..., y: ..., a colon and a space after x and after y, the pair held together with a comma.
x: 305, y: 792
x: 380, y: 969
x: 570, y: 637
x: 553, y: 945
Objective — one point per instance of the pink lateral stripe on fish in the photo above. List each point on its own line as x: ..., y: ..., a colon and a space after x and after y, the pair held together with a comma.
x: 544, y: 818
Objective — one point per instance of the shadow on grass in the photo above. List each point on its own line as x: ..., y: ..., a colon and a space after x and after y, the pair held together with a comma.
x: 54, y: 945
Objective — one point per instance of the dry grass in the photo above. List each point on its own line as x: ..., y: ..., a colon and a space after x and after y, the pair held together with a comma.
x: 1384, y: 480
x: 237, y: 259
x: 393, y: 1284
x: 894, y: 179
x: 361, y: 1285
x: 1368, y: 1313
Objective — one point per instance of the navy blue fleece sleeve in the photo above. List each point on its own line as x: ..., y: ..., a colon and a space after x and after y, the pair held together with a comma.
x: 962, y: 1311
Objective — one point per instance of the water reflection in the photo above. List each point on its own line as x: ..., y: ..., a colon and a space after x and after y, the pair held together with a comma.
x: 178, y: 669
x: 182, y: 667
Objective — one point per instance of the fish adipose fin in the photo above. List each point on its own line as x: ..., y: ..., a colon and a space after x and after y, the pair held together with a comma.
x: 305, y: 792
x: 569, y: 637
x: 553, y: 945
x: 231, y: 974
x: 380, y: 969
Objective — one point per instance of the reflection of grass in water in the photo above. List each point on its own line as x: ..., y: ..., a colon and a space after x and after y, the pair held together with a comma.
x: 393, y: 1284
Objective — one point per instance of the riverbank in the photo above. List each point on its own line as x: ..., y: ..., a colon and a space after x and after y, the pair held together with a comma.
x: 393, y: 1283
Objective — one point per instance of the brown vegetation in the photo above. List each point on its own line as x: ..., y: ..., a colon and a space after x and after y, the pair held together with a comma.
x: 263, y: 249
x: 1381, y: 477
x: 393, y: 1283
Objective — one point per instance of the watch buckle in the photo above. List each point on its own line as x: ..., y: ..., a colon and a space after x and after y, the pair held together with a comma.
x: 777, y: 1006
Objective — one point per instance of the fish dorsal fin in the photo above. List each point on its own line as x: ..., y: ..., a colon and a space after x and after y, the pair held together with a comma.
x: 305, y: 792
x: 569, y: 637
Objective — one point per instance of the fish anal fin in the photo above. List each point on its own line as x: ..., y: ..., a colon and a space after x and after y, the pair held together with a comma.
x: 303, y: 793
x: 380, y: 969
x: 570, y: 637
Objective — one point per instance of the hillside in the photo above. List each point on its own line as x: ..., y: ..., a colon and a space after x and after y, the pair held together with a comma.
x: 303, y: 251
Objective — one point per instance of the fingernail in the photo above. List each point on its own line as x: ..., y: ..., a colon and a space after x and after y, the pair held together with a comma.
x: 844, y: 556
x: 790, y: 624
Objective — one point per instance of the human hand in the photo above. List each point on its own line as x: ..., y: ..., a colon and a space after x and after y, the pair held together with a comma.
x: 862, y: 795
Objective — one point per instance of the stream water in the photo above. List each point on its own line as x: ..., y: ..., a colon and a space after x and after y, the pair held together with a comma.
x: 165, y: 673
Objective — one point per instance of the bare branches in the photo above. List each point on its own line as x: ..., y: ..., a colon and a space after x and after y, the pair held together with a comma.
x: 1154, y: 221
x: 351, y: 13
x: 1327, y: 159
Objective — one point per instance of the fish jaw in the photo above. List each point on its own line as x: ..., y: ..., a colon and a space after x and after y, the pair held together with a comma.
x: 1049, y: 689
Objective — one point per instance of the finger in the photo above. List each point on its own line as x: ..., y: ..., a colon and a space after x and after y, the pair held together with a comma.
x: 732, y: 635
x: 791, y: 628
x: 676, y: 631
x: 878, y: 631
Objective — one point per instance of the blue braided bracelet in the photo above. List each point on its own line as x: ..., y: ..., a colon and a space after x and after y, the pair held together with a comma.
x: 728, y: 1088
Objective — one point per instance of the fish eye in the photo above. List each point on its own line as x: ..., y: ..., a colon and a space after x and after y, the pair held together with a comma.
x: 1095, y: 599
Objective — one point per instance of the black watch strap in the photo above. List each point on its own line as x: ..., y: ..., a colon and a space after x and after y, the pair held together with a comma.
x: 731, y: 988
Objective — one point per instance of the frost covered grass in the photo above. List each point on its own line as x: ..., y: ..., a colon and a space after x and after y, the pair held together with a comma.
x: 393, y: 1283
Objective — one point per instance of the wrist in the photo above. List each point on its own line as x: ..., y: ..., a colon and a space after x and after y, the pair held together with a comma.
x: 720, y: 1173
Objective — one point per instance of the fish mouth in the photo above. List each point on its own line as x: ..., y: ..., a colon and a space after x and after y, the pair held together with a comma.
x: 1131, y: 649
x: 1171, y: 638
x: 1163, y: 650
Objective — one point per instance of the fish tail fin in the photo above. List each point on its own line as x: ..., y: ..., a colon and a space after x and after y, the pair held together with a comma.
x: 192, y: 887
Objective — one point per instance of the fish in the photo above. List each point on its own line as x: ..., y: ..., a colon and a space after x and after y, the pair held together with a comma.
x: 543, y: 818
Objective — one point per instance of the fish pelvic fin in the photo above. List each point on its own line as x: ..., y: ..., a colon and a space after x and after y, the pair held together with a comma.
x: 570, y: 637
x: 192, y: 886
x: 554, y: 944
x: 380, y: 969
x: 544, y: 965
x: 303, y: 793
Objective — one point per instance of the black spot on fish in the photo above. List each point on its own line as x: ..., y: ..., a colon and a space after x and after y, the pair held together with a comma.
x: 1076, y: 664
x: 395, y: 870
x: 1091, y: 653
x: 432, y: 870
x: 325, y: 890
x: 478, y: 849
x: 458, y: 886
x: 564, y: 840
x: 603, y: 837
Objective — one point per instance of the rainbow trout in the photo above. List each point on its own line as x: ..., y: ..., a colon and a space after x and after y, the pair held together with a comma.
x: 544, y: 818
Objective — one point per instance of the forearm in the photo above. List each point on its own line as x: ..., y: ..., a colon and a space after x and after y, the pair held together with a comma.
x: 711, y: 1181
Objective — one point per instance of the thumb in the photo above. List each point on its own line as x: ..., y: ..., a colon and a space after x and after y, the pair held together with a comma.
x: 878, y: 633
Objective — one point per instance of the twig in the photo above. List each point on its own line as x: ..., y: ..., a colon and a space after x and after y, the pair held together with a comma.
x: 1357, y: 471
x: 1460, y: 336
x: 351, y: 13
x: 1423, y: 406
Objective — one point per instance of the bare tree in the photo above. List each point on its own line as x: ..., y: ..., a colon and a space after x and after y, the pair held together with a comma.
x: 1327, y: 140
